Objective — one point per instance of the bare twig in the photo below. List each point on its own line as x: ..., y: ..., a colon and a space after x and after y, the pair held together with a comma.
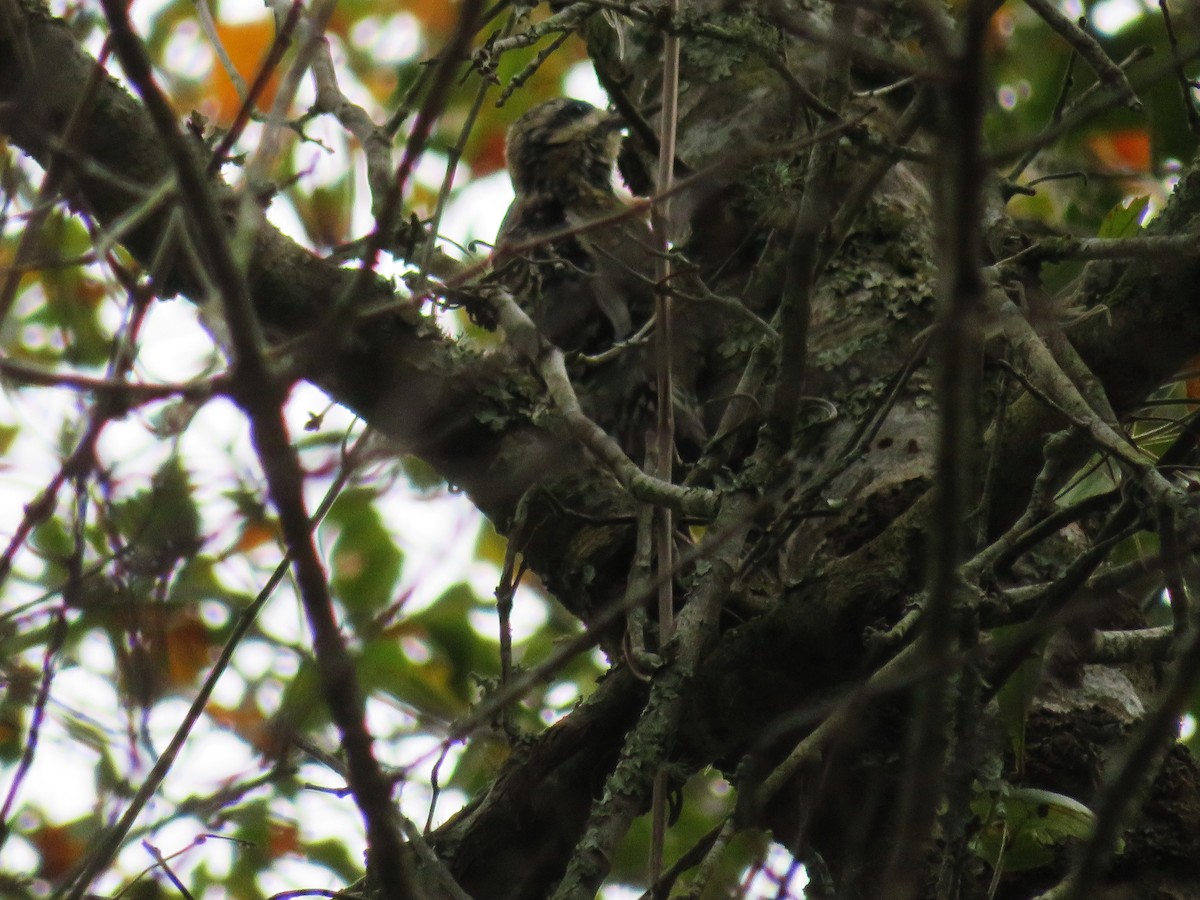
x: 958, y: 349
x: 58, y: 634
x: 106, y: 844
x: 1186, y: 85
x: 524, y: 336
x: 260, y: 397
x: 279, y: 45
x: 1089, y: 50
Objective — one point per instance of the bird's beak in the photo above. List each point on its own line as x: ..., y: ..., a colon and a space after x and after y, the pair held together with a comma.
x: 609, y: 121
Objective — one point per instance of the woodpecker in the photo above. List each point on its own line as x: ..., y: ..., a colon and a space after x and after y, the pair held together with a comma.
x: 583, y: 271
x: 584, y: 286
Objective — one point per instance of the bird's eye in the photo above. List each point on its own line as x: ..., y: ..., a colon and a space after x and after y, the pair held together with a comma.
x: 575, y: 109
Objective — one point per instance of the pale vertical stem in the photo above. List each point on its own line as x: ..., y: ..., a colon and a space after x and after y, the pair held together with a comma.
x: 664, y: 438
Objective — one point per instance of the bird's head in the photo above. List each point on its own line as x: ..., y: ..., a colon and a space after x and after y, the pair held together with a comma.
x: 563, y: 146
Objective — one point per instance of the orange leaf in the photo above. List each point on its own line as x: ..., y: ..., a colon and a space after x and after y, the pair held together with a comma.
x: 10, y: 736
x: 187, y: 650
x: 91, y: 292
x: 282, y: 838
x: 999, y: 32
x: 247, y: 722
x: 490, y: 156
x: 1191, y: 386
x: 436, y: 15
x: 60, y: 849
x: 1122, y: 150
x: 254, y: 534
x: 246, y: 43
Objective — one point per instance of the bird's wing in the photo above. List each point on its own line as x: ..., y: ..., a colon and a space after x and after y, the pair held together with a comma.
x: 622, y: 260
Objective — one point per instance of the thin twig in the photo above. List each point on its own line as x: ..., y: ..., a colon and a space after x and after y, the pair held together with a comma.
x: 105, y: 845
x: 260, y: 397
x: 1089, y: 49
x: 58, y: 634
x: 958, y: 343
x: 524, y: 336
x: 1186, y: 85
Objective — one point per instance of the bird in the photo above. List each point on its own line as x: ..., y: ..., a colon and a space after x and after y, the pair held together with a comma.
x: 587, y: 286
x: 584, y: 287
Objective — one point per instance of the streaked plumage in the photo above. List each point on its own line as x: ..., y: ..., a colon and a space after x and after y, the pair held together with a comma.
x: 587, y: 287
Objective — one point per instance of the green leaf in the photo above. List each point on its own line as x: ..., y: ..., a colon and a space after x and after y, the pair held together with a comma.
x: 1024, y: 826
x: 490, y: 545
x: 447, y: 626
x: 51, y: 542
x: 421, y: 476
x: 197, y: 580
x: 335, y: 856
x: 1016, y: 694
x: 365, y: 561
x: 428, y: 686
x: 303, y: 707
x: 73, y: 299
x: 8, y: 433
x: 160, y: 524
x: 1124, y: 221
